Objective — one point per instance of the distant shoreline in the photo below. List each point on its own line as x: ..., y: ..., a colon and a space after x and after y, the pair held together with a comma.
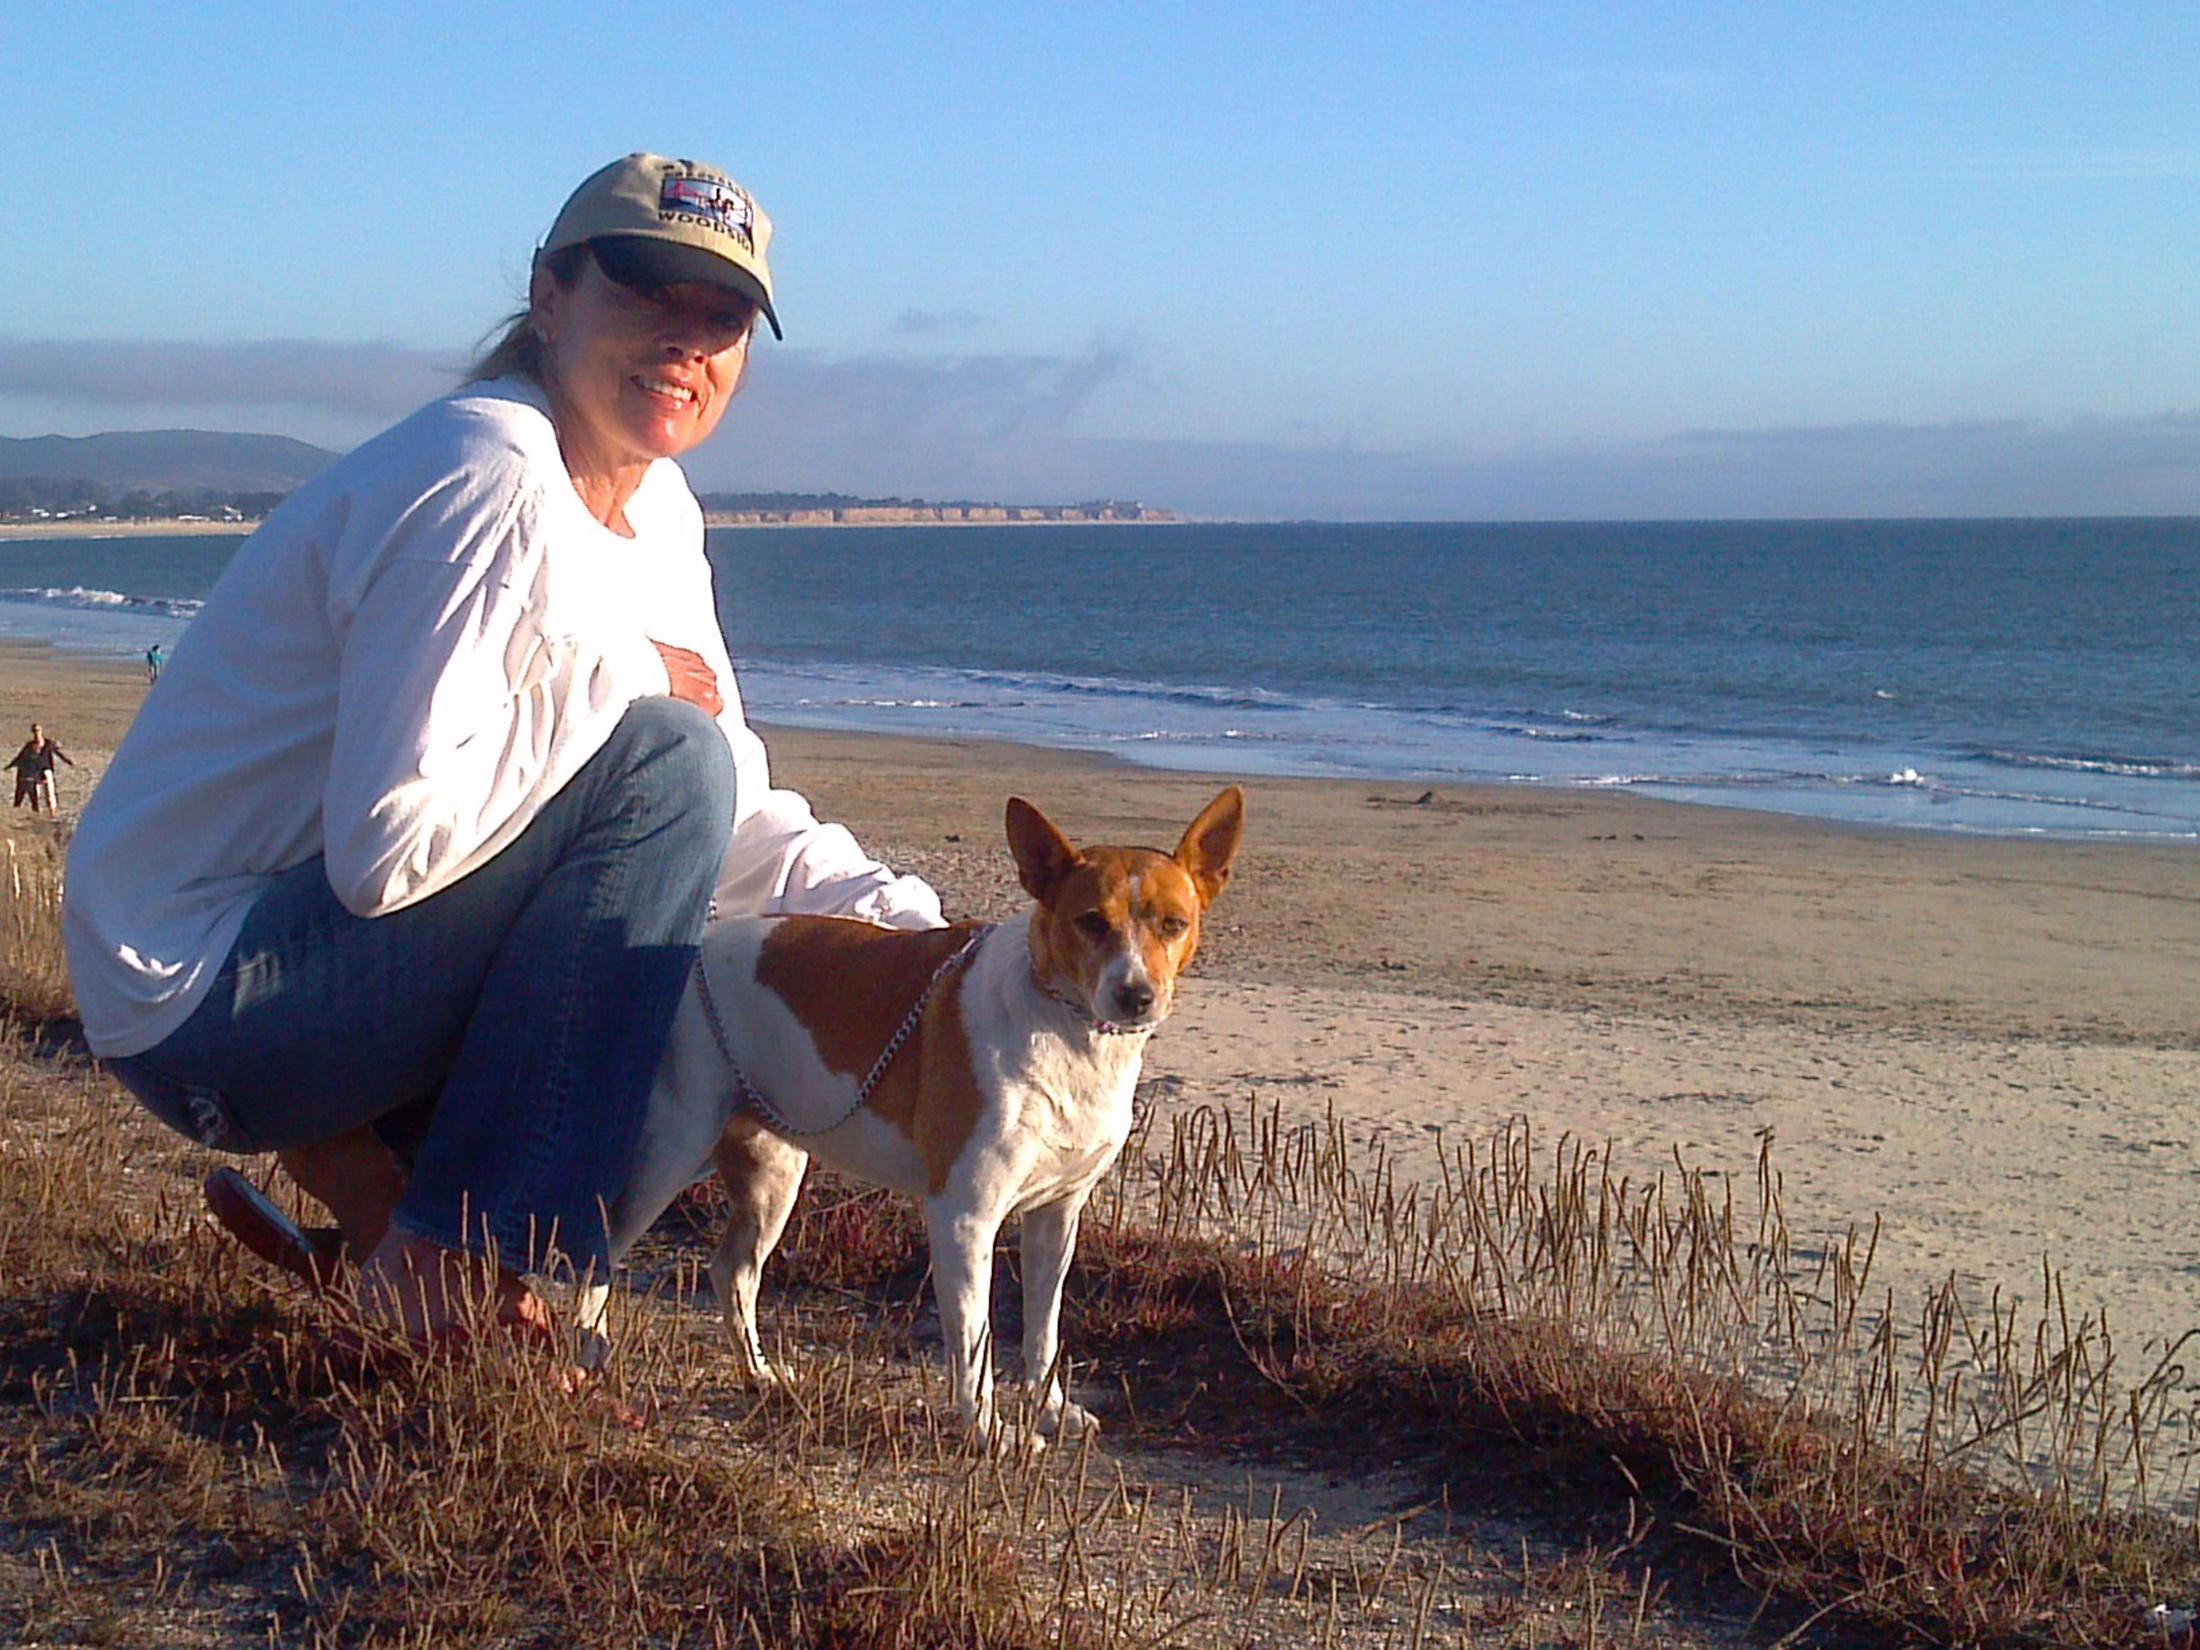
x: 153, y: 527
x: 148, y: 528
x: 745, y: 520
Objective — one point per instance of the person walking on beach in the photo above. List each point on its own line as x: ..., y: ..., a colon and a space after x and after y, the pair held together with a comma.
x: 153, y: 661
x: 33, y: 767
x: 401, y: 873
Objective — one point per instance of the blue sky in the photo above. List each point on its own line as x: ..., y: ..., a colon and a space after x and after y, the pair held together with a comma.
x: 1389, y: 260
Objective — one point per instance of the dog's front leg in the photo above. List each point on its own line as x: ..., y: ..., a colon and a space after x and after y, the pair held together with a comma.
x: 1049, y: 1241
x: 962, y: 1281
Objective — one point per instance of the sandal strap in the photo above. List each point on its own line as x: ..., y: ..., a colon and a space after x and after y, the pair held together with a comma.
x: 313, y: 1255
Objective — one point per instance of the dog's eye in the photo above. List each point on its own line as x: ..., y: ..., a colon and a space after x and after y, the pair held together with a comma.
x: 1172, y: 927
x: 1093, y: 925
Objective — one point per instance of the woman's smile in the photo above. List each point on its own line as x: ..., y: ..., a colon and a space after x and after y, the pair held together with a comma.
x: 664, y: 389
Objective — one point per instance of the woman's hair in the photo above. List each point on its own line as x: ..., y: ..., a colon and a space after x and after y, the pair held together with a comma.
x: 517, y: 348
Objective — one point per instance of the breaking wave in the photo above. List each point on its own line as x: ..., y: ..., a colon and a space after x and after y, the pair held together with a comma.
x: 79, y: 599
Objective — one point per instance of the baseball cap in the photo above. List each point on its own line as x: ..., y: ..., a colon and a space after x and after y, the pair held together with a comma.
x: 676, y: 221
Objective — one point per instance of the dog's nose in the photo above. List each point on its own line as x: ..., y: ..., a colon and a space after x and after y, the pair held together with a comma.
x: 1133, y: 999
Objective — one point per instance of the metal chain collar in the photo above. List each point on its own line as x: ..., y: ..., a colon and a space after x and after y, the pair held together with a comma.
x: 1106, y: 1028
x: 755, y: 1098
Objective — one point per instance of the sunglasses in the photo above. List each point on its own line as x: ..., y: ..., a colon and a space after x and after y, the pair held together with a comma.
x: 625, y: 268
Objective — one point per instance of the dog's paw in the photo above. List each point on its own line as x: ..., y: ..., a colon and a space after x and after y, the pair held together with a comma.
x: 765, y: 1374
x: 757, y: 1370
x: 1069, y: 1421
x: 1002, y: 1438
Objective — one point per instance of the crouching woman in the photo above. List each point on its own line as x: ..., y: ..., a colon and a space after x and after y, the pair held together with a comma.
x: 400, y: 872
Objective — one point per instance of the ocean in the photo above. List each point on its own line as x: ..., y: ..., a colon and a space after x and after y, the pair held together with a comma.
x: 2004, y: 677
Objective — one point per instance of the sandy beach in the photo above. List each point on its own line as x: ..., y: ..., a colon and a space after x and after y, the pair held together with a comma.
x: 163, y: 529
x: 1989, y: 1044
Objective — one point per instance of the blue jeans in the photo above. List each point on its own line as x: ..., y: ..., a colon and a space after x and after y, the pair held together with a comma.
x: 510, y: 1023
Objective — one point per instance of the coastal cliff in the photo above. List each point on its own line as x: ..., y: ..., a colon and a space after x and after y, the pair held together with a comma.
x: 920, y: 514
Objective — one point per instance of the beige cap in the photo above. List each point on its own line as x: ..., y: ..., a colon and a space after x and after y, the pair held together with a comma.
x: 677, y: 221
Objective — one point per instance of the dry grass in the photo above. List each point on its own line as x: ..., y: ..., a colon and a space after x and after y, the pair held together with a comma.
x: 1530, y: 1406
x: 1539, y: 1329
x: 34, y: 977
x: 181, y: 1464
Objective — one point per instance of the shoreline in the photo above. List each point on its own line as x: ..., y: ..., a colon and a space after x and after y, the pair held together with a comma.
x: 19, y: 531
x: 28, y: 531
x: 1985, y: 1044
x: 2024, y: 774
x: 1673, y: 793
x: 884, y: 518
x: 2169, y: 841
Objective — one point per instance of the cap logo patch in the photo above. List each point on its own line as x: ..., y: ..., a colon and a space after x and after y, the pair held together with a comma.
x: 722, y: 206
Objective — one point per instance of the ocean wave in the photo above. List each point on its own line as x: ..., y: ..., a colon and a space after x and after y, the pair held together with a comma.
x: 1954, y: 790
x: 2040, y: 799
x: 1937, y: 792
x: 966, y: 688
x: 1560, y: 728
x: 1780, y: 779
x: 945, y: 687
x: 1188, y: 736
x: 1555, y: 736
x: 2121, y: 767
x: 873, y: 702
x: 1111, y: 687
x: 1707, y: 781
x: 104, y: 601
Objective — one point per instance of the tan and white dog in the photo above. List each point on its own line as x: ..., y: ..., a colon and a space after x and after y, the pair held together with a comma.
x: 1006, y: 1090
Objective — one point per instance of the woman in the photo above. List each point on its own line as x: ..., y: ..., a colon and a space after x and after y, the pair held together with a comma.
x: 33, y: 766
x: 400, y: 871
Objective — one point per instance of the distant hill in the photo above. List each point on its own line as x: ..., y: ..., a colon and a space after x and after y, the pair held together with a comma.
x: 148, y: 474
x: 165, y: 461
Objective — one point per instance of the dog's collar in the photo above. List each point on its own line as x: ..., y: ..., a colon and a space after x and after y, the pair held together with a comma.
x: 1106, y: 1028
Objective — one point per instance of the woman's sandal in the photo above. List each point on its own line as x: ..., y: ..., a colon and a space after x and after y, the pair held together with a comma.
x: 314, y: 1255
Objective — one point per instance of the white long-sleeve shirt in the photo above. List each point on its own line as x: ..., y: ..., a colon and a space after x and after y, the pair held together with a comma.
x: 408, y: 659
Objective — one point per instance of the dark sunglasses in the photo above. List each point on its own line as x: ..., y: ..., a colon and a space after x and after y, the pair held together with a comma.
x: 624, y: 267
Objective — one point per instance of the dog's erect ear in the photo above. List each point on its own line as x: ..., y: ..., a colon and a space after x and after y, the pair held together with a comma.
x: 1043, y: 854
x: 1211, y: 843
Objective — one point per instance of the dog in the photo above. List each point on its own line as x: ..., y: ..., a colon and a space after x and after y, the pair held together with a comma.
x: 985, y: 1071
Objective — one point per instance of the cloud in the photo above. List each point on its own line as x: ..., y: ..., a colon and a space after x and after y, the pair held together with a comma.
x: 1850, y: 437
x: 1886, y: 469
x: 1013, y: 427
x: 371, y: 381
x: 2072, y: 466
x: 884, y: 423
x: 925, y: 323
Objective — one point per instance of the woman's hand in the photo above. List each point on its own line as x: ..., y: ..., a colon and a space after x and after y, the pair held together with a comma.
x: 691, y: 679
